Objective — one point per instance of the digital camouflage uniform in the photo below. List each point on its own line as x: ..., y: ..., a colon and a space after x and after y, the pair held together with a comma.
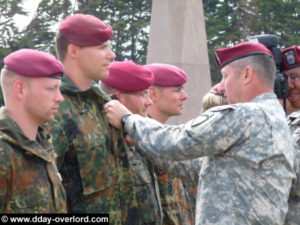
x: 293, y: 215
x: 248, y: 161
x: 29, y: 179
x: 93, y: 158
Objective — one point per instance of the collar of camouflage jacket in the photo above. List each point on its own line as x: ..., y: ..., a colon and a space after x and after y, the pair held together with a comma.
x: 68, y: 86
x: 12, y: 134
x: 264, y: 96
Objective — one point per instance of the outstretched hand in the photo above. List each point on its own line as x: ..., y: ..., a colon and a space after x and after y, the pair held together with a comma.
x: 115, y: 111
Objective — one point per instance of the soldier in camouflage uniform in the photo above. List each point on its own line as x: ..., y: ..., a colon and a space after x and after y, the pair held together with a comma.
x: 248, y: 149
x: 92, y: 155
x: 291, y: 68
x: 30, y: 182
x: 168, y: 97
x: 129, y: 83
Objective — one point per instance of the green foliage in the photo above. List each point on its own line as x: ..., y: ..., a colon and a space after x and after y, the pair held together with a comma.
x: 8, y: 29
x: 43, y: 27
x: 229, y: 22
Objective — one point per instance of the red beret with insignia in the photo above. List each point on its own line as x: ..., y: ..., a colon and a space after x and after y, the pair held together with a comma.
x: 128, y: 76
x: 33, y: 63
x: 166, y: 75
x: 224, y: 56
x: 85, y: 30
x: 291, y: 57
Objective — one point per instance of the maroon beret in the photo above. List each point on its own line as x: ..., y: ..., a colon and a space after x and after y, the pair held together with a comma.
x: 166, y: 75
x: 128, y: 76
x: 85, y: 30
x: 33, y: 63
x: 291, y: 57
x: 224, y: 56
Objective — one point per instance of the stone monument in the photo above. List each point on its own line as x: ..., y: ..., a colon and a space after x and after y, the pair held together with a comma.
x: 178, y: 37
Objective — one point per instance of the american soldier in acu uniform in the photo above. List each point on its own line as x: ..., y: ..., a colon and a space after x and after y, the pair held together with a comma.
x: 291, y: 69
x: 248, y: 151
x: 30, y: 181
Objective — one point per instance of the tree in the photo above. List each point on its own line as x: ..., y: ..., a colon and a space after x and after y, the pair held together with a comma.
x: 130, y: 21
x: 41, y: 30
x: 9, y: 31
x: 229, y: 22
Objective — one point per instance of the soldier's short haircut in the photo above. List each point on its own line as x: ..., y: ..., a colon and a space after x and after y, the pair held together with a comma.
x: 61, y: 46
x: 263, y: 66
x: 8, y: 78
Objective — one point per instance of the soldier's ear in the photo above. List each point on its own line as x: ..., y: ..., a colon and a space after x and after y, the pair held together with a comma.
x: 19, y: 89
x: 73, y: 50
x: 153, y: 94
x: 248, y: 75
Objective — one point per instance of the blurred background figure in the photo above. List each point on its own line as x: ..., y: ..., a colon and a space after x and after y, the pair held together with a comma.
x: 213, y: 98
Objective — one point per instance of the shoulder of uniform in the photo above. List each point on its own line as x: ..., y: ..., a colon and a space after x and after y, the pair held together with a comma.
x: 294, y: 117
x: 217, y: 111
x: 222, y: 108
x: 5, y: 142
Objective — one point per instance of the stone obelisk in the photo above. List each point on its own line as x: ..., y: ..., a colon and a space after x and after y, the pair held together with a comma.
x: 178, y: 37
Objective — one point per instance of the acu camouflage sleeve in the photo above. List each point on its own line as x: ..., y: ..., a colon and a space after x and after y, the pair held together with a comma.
x: 211, y: 133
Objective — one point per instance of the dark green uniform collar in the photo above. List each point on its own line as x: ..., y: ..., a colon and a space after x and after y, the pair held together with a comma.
x: 70, y: 87
x: 11, y: 132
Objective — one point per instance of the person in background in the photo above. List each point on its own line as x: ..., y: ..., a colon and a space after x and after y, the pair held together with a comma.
x: 291, y: 69
x: 213, y: 98
x: 92, y: 155
x: 30, y: 181
x: 247, y: 145
x: 129, y: 83
x: 168, y: 98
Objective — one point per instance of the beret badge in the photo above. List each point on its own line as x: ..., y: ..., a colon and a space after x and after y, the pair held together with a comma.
x: 290, y: 57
